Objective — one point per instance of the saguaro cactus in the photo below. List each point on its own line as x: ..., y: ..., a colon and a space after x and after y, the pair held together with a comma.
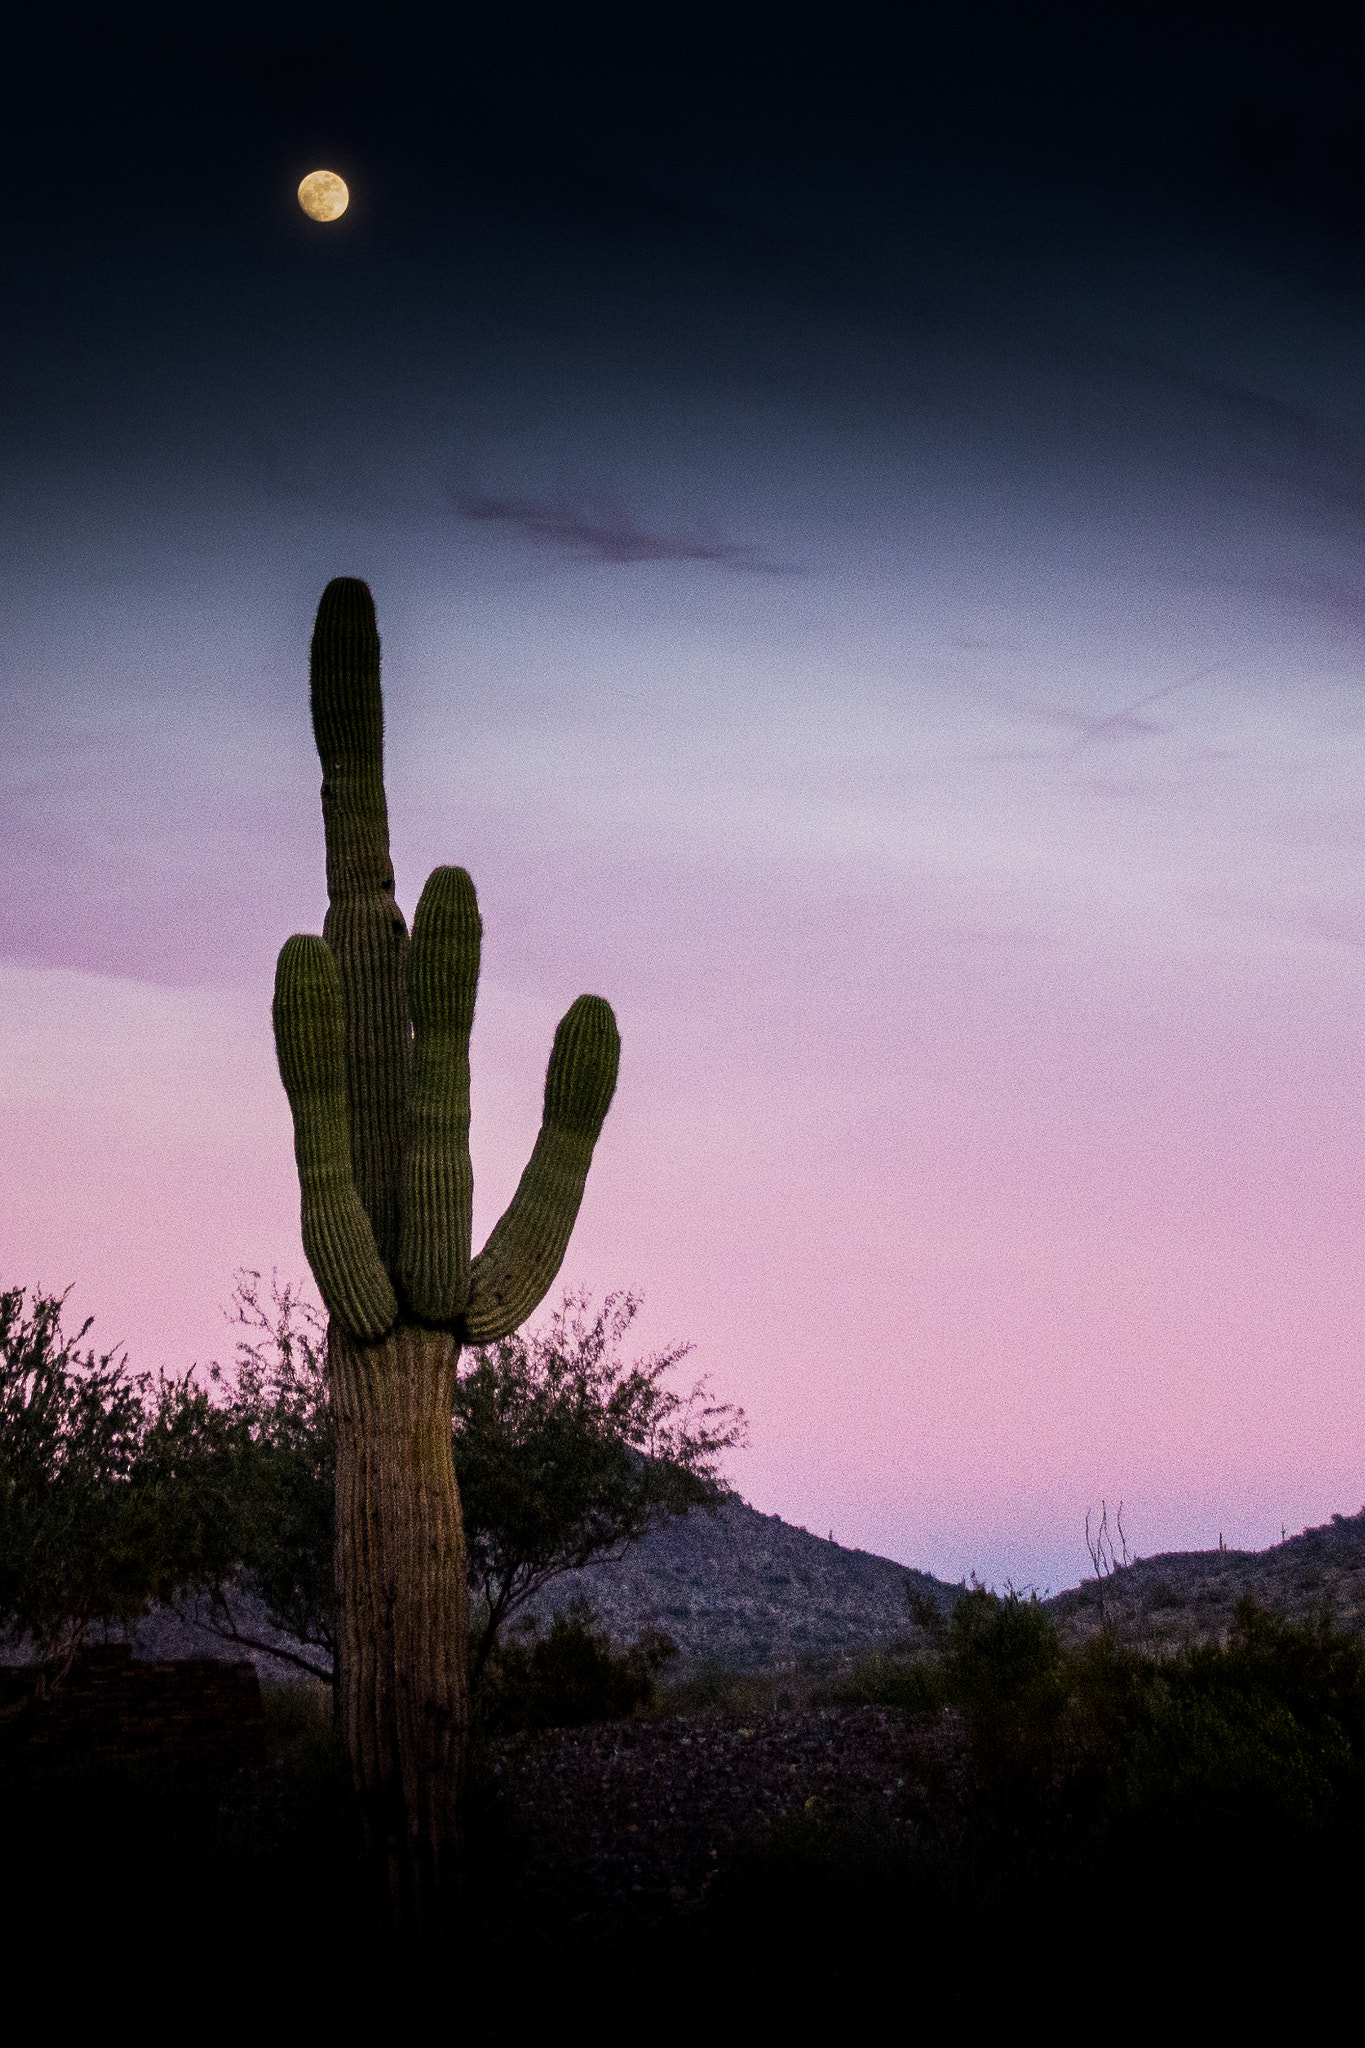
x: 372, y: 1033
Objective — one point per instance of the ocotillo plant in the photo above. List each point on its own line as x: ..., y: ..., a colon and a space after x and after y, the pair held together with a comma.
x: 372, y: 1032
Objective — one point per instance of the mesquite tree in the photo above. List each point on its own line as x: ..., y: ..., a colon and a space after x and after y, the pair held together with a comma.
x: 372, y: 1034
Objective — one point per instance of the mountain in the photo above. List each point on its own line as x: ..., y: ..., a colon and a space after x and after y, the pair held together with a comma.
x: 1159, y: 1603
x: 747, y: 1591
x: 743, y: 1591
x: 735, y: 1589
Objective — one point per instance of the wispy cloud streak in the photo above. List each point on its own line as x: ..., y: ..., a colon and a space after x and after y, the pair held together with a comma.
x: 1100, y: 729
x: 609, y: 536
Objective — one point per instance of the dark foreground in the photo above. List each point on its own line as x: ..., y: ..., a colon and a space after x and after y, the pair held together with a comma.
x: 1011, y: 1823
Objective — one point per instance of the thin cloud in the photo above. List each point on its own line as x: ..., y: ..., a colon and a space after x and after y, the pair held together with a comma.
x: 1337, y: 931
x: 1290, y: 447
x: 609, y: 536
x: 1280, y: 417
x: 1100, y: 729
x: 1128, y: 723
x: 1088, y: 730
x: 1344, y: 602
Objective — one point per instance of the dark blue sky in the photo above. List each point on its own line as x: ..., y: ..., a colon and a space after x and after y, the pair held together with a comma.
x: 720, y: 299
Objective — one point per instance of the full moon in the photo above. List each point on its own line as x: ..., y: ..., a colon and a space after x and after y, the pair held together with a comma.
x: 323, y: 195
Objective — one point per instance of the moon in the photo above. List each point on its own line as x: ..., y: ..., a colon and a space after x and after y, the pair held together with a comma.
x: 323, y: 195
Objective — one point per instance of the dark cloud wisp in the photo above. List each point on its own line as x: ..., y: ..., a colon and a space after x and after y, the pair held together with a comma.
x: 608, y: 535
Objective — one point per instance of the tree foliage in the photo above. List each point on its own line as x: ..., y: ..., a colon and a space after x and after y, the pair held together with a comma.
x: 274, y: 1464
x: 569, y: 1675
x: 77, y: 1546
x: 564, y: 1451
x: 217, y: 1494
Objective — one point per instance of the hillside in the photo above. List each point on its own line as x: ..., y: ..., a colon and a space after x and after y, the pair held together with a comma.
x: 735, y: 1589
x: 747, y: 1591
x: 743, y: 1591
x: 1159, y: 1603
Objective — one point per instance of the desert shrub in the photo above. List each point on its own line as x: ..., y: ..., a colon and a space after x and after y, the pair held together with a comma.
x: 300, y: 1724
x: 70, y: 1427
x: 1314, y: 1669
x: 1254, y: 1745
x: 93, y: 1523
x: 721, y: 1691
x: 1101, y: 1764
x: 1006, y: 1671
x: 795, y: 1687
x: 913, y: 1685
x: 1001, y: 1652
x: 569, y: 1675
x: 1177, y: 1772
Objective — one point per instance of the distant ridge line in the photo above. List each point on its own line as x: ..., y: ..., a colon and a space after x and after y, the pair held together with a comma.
x: 739, y: 1590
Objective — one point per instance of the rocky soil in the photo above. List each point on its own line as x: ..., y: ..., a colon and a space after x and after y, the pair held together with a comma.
x: 639, y: 1818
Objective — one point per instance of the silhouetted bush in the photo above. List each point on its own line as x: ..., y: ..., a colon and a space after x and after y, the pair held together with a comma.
x: 1184, y: 1777
x: 912, y: 1685
x: 569, y: 1676
x: 717, y: 1691
x: 1187, y: 1777
x: 1250, y: 1751
x: 1002, y: 1654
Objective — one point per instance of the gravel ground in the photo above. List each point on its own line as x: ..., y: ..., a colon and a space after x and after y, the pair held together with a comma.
x: 640, y: 1817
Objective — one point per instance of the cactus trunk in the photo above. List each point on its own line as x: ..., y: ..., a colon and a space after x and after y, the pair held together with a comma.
x: 403, y: 1621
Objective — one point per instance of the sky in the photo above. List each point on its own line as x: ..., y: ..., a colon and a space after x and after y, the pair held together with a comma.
x: 868, y: 557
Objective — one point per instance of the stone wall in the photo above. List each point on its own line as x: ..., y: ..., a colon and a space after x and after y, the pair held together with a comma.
x: 197, y: 1714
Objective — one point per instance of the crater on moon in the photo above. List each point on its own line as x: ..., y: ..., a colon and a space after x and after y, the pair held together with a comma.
x: 323, y: 195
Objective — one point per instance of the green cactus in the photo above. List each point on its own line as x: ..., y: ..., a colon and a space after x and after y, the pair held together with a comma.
x: 380, y: 1023
x: 372, y: 1032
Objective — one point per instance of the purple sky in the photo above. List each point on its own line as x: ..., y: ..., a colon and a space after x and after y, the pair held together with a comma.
x: 914, y: 674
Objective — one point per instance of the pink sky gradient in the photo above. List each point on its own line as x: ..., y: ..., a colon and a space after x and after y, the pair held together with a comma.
x: 998, y: 1145
x: 972, y: 855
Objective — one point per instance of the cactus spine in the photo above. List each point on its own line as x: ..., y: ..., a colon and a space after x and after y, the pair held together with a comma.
x: 372, y: 1033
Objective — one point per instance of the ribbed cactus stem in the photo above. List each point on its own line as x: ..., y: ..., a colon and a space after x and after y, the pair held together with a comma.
x: 364, y: 926
x: 373, y: 1040
x: 514, y: 1270
x: 438, y: 1179
x: 310, y: 1040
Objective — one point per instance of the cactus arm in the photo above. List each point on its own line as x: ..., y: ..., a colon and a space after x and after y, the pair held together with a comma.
x: 364, y: 926
x: 517, y: 1266
x: 438, y: 1179
x: 310, y: 1042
